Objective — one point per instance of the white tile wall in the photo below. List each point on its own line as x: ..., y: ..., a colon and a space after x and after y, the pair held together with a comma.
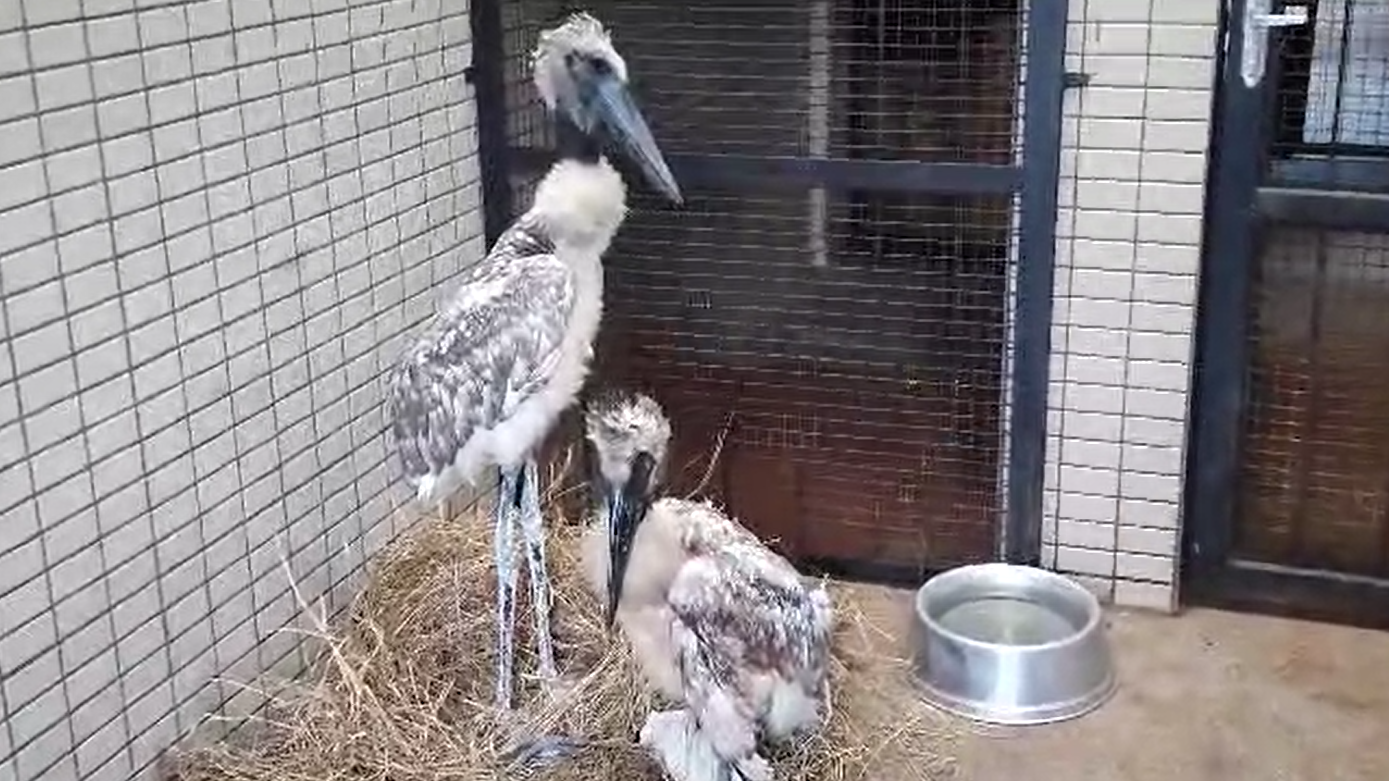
x: 217, y: 220
x: 1128, y: 248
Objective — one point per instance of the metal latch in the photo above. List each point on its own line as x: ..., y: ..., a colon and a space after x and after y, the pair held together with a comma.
x: 1076, y: 79
x: 1258, y: 20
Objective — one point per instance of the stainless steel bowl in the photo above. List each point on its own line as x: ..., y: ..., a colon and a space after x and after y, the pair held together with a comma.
x: 1008, y: 644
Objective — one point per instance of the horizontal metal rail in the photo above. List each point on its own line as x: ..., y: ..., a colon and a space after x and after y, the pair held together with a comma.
x: 804, y: 172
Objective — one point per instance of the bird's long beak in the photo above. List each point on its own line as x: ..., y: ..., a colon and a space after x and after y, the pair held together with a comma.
x: 615, y: 109
x: 627, y: 506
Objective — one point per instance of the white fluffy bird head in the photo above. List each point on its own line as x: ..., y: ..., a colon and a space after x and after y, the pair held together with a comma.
x: 568, y: 55
x: 620, y: 424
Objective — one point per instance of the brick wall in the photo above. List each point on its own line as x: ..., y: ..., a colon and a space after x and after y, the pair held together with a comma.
x: 1128, y: 249
x: 216, y: 221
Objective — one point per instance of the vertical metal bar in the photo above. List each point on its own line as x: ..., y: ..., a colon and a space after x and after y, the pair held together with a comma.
x: 1290, y: 65
x: 488, y: 77
x: 1382, y: 561
x: 1306, y: 473
x: 1238, y: 152
x: 819, y: 120
x: 1342, y: 63
x: 1044, y: 90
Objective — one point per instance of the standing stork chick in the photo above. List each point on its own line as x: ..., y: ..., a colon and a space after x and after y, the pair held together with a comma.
x: 717, y: 621
x: 507, y: 354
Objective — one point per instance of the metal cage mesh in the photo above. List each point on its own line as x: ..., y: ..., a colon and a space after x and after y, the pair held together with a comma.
x: 1333, y: 80
x: 1314, y: 488
x: 1315, y: 483
x: 847, y: 347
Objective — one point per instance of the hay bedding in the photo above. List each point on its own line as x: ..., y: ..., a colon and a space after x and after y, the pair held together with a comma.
x: 402, y: 689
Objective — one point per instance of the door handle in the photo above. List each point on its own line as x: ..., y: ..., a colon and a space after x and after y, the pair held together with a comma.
x: 1258, y: 20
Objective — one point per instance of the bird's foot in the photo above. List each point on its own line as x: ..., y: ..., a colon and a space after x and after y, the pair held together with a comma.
x: 682, y: 750
x: 555, y: 687
x: 664, y: 736
x: 530, y: 751
x: 753, y: 768
x: 544, y: 751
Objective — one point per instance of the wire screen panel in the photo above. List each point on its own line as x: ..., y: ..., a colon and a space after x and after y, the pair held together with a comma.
x: 1333, y: 80
x: 931, y: 80
x: 862, y: 431
x: 846, y: 347
x: 1314, y: 488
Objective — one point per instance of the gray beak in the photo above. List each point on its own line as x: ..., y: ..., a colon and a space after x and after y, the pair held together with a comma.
x: 614, y: 109
x: 627, y: 505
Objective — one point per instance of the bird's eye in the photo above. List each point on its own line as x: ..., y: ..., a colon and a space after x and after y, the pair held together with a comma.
x: 600, y: 66
x: 570, y: 60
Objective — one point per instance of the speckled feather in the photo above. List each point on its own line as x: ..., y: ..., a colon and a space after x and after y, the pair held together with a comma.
x: 744, y: 607
x: 484, y: 353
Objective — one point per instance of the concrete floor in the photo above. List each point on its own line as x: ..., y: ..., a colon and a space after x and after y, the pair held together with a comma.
x: 1210, y: 696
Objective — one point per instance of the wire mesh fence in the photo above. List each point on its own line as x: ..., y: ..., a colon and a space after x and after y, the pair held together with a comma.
x: 844, y: 344
x: 1313, y: 487
x: 1315, y: 482
x: 1333, y: 84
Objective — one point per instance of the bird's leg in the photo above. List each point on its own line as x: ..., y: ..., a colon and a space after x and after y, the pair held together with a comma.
x: 533, y: 528
x: 504, y: 543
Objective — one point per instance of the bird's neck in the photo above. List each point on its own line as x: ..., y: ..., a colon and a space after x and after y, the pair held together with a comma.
x: 657, y: 556
x: 581, y: 200
x: 574, y: 144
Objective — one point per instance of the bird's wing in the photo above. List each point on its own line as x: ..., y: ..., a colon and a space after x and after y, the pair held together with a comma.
x: 489, y: 349
x: 704, y: 528
x: 745, y: 621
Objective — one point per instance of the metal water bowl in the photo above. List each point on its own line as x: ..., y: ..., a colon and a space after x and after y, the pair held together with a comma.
x: 1009, y: 644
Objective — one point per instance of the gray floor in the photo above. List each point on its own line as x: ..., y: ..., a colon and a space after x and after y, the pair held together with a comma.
x: 1210, y: 695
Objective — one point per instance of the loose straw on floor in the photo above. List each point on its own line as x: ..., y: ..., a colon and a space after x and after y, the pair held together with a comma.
x: 402, y: 686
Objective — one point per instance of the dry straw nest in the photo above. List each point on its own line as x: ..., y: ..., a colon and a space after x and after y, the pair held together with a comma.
x: 401, y: 688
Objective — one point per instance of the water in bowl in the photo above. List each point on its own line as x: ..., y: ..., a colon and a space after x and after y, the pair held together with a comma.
x: 1007, y: 621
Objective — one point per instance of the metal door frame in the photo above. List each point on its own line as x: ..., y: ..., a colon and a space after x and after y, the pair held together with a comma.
x: 1036, y: 180
x: 1247, y: 191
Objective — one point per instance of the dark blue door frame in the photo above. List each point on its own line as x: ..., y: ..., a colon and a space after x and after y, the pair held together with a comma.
x: 1047, y: 82
x: 1035, y: 180
x: 1248, y: 191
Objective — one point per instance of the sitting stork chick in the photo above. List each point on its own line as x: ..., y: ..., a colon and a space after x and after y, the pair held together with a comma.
x: 717, y: 621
